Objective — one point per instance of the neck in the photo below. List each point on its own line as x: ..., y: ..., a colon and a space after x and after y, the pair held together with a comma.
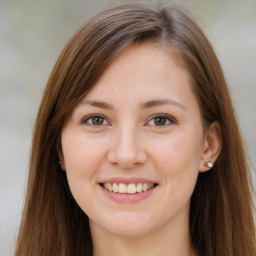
x: 165, y: 242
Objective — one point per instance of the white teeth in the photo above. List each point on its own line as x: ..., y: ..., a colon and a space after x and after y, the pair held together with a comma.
x: 145, y: 187
x: 131, y: 188
x: 110, y: 187
x: 115, y: 187
x: 139, y: 187
x: 122, y: 188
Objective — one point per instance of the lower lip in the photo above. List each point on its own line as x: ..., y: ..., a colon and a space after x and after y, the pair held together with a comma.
x: 128, y: 198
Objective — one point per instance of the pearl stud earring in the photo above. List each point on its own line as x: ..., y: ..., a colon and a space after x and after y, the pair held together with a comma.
x: 208, y: 164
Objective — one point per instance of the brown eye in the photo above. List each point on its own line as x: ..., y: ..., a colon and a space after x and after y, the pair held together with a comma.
x: 160, y: 121
x: 95, y: 120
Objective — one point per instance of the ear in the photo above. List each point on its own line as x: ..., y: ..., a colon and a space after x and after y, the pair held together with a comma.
x: 62, y: 162
x: 211, y: 146
x: 61, y: 157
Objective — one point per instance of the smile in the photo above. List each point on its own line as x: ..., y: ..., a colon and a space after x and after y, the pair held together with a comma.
x: 131, y: 188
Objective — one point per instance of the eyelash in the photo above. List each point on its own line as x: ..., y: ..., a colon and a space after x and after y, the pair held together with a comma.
x: 165, y: 117
x: 90, y: 117
x: 168, y: 120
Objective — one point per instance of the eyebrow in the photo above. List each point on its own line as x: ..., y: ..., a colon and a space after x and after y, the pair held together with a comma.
x: 148, y: 104
x: 98, y: 104
x: 156, y: 103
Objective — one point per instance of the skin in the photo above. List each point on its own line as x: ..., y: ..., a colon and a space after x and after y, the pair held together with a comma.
x: 129, y: 141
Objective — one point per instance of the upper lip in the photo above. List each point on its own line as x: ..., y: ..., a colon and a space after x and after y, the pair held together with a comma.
x: 127, y: 180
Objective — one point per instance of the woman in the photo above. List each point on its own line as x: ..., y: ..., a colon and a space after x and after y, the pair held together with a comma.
x: 136, y: 147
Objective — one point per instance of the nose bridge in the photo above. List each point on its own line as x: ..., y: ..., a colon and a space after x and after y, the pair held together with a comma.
x: 126, y: 146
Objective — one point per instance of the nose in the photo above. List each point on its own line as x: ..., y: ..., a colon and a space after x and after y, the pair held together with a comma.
x: 126, y: 149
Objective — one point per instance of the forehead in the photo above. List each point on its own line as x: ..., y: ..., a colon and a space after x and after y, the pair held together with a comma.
x: 146, y: 69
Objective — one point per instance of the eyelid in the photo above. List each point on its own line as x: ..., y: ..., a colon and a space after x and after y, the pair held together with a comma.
x: 171, y: 119
x: 88, y: 117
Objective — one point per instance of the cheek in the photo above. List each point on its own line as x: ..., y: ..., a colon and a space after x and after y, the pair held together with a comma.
x: 80, y: 155
x: 177, y: 159
x: 178, y: 154
x: 178, y: 163
x: 82, y: 159
x: 82, y: 162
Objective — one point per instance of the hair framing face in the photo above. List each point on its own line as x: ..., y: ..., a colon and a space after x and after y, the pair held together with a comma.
x: 221, y: 218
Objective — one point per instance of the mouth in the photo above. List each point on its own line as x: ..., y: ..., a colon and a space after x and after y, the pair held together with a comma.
x: 131, y: 188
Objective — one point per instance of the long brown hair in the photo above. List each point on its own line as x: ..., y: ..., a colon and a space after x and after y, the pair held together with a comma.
x: 221, y: 214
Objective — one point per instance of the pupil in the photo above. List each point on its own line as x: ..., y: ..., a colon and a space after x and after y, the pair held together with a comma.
x: 97, y: 121
x: 160, y: 121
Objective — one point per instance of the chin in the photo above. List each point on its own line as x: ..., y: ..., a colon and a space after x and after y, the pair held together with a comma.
x: 130, y: 225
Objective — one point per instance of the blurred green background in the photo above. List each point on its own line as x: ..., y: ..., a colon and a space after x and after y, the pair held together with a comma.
x: 32, y: 34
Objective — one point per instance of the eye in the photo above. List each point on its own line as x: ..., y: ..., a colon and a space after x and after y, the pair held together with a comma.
x: 160, y: 120
x: 95, y: 120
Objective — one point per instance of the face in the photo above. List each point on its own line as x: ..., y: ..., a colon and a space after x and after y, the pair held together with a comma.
x: 132, y: 148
